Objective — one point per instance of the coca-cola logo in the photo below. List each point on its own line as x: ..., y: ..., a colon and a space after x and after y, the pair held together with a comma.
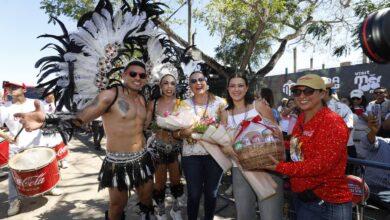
x: 31, y: 181
x: 61, y: 151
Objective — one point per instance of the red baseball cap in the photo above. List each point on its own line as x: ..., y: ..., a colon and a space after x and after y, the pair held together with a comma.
x: 8, y: 83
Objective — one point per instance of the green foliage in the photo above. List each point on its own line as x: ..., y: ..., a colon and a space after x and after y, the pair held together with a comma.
x: 236, y: 22
x: 70, y: 8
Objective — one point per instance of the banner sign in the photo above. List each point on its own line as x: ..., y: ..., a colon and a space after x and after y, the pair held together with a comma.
x: 366, y: 77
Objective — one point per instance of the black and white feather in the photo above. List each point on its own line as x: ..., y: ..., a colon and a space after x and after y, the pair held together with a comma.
x: 90, y: 57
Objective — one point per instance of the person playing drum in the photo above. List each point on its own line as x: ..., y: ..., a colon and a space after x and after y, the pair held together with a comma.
x: 50, y: 139
x: 24, y: 140
x: 167, y: 147
x: 127, y: 163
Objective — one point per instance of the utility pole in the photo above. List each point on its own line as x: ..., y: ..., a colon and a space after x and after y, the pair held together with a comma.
x: 295, y: 59
x: 189, y: 21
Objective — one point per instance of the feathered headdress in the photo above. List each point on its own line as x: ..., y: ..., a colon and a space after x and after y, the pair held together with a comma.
x: 89, y: 59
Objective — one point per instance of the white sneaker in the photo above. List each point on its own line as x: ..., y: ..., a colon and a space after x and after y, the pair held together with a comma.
x: 64, y: 164
x: 161, y: 217
x: 176, y: 215
x: 14, y: 207
x: 54, y: 192
x: 229, y: 191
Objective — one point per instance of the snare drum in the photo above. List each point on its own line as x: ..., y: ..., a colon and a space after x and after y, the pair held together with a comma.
x: 35, y: 171
x: 61, y: 151
x: 4, y: 152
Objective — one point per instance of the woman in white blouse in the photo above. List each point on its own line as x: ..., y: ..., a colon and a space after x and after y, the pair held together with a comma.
x: 201, y: 171
x: 242, y: 107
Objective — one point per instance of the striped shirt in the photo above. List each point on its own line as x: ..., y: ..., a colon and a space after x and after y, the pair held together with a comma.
x: 379, y: 152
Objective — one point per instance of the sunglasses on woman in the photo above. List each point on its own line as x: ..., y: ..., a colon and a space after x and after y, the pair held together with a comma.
x: 169, y: 83
x: 193, y: 81
x: 356, y: 98
x: 307, y: 91
x: 133, y: 74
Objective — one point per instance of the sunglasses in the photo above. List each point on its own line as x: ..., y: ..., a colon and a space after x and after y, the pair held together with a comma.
x: 379, y: 92
x: 307, y: 92
x: 169, y: 83
x: 193, y: 81
x: 356, y: 98
x: 133, y: 74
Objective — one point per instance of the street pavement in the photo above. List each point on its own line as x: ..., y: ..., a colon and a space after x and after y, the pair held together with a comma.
x: 81, y: 199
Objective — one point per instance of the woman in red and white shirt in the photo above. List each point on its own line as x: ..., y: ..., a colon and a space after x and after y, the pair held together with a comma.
x: 319, y: 156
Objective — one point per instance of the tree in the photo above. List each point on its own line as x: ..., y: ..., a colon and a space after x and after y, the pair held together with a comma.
x: 254, y: 33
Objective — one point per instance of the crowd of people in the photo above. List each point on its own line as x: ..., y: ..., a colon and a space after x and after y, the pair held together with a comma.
x: 319, y: 132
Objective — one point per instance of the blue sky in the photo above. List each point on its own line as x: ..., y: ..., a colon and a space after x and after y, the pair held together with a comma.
x: 22, y: 21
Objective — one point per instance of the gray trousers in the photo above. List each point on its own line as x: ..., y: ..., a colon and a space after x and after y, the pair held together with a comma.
x: 12, y: 191
x: 246, y: 201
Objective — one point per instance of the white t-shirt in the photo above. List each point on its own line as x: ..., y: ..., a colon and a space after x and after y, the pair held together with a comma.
x: 346, y: 113
x: 213, y: 110
x: 48, y: 107
x: 50, y: 140
x: 25, y: 139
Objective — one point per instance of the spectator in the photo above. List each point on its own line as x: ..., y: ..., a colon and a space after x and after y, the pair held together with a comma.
x: 267, y: 94
x: 380, y: 107
x: 345, y: 101
x: 283, y: 104
x: 377, y: 149
x: 97, y: 132
x: 289, y: 117
x: 358, y: 102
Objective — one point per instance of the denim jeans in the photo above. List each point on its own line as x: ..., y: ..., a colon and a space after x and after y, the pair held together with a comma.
x: 203, y: 175
x: 246, y: 201
x: 12, y: 191
x: 322, y: 211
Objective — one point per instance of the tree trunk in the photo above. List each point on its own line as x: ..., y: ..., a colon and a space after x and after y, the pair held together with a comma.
x: 220, y: 69
x: 274, y: 59
x: 251, y: 46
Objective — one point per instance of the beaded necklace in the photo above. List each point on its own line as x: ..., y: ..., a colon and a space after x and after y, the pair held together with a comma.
x: 194, y: 106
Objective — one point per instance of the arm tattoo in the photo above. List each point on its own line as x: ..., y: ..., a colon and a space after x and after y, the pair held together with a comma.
x: 123, y: 105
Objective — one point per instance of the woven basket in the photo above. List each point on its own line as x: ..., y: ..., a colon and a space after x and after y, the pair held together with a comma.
x: 255, y: 157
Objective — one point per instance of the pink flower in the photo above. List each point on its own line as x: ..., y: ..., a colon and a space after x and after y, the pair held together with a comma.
x: 166, y: 113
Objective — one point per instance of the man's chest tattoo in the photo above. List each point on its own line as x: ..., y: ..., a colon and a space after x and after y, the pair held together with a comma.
x: 123, y: 106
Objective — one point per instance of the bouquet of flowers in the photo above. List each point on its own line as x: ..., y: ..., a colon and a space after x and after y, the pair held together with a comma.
x: 203, y: 124
x: 215, y: 135
x: 176, y: 121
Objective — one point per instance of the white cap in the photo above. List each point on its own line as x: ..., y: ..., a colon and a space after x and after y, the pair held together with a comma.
x: 328, y: 82
x: 356, y: 93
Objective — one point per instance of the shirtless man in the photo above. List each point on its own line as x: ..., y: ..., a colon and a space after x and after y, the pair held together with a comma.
x: 127, y: 163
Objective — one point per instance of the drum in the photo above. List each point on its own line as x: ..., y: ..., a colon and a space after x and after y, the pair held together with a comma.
x: 35, y: 171
x: 61, y: 151
x: 4, y: 152
x: 355, y: 185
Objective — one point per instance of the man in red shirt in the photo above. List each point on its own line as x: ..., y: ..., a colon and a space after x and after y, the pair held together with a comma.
x: 319, y: 156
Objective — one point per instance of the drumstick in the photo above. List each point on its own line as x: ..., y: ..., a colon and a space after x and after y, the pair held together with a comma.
x: 17, y: 135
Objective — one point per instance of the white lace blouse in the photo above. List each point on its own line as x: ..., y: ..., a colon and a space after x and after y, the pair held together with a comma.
x: 213, y: 110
